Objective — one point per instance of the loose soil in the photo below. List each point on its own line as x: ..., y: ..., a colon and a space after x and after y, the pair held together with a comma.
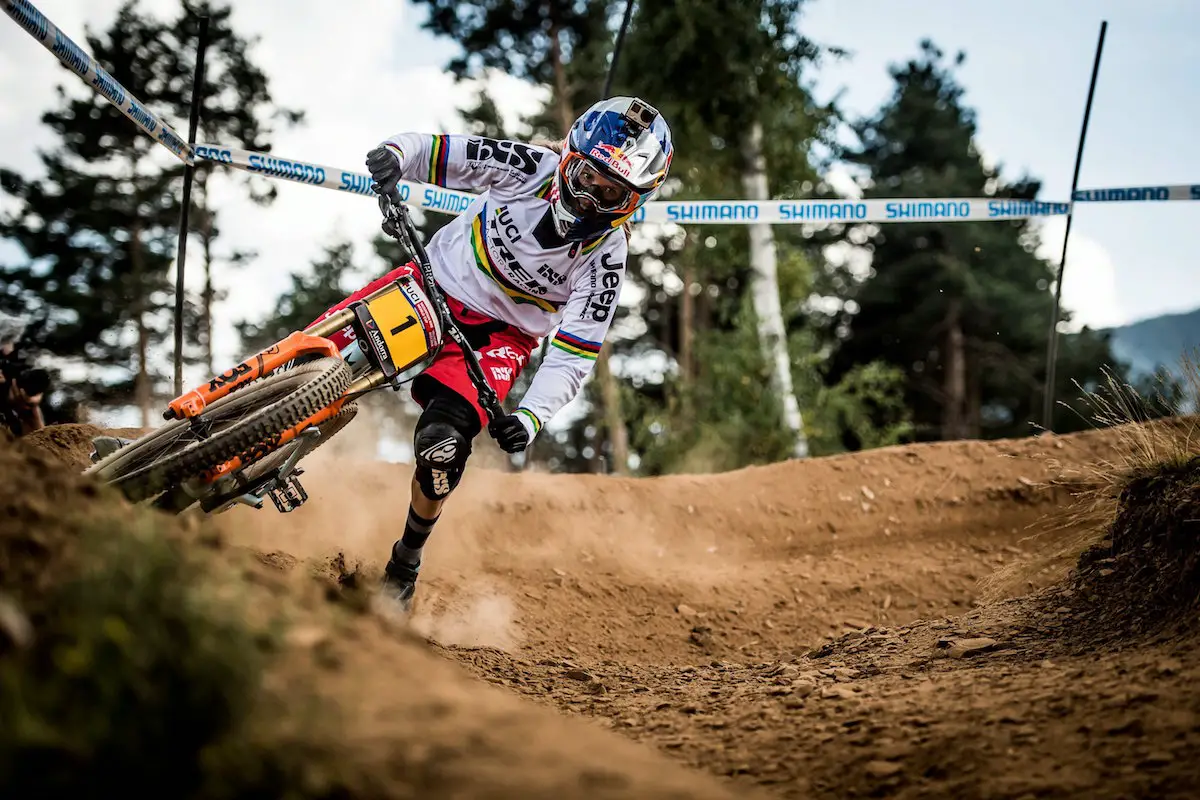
x: 908, y: 622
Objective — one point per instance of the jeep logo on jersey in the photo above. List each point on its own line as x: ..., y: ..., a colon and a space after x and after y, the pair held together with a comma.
x: 521, y: 157
x: 600, y: 305
x: 441, y: 453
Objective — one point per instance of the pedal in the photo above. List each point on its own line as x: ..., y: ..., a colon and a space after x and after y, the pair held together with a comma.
x: 105, y: 446
x: 288, y: 494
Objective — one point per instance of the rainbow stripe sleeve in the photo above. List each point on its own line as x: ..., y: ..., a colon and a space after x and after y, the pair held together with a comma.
x: 439, y: 156
x: 576, y: 346
x: 534, y: 422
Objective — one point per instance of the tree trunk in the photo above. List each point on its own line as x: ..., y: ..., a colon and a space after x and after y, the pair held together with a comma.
x: 764, y: 290
x: 687, y: 339
x: 141, y: 383
x: 610, y: 391
x: 974, y: 409
x: 955, y: 376
x: 562, y: 96
x: 207, y: 296
x: 610, y: 394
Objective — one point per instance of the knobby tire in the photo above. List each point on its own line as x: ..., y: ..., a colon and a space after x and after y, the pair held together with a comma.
x: 322, y: 382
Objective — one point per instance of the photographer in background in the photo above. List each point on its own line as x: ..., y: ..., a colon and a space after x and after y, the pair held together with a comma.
x: 21, y: 386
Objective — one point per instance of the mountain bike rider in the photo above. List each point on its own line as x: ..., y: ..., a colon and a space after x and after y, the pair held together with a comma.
x: 540, y: 247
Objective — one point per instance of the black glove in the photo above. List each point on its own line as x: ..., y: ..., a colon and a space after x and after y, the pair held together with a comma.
x: 385, y: 169
x: 509, y: 433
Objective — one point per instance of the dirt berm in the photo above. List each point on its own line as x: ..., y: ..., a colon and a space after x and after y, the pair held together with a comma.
x: 908, y: 622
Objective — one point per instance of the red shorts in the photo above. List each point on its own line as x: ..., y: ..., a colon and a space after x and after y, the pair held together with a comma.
x: 503, y: 350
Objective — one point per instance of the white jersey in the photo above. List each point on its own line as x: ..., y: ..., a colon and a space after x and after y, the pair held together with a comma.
x: 502, y: 258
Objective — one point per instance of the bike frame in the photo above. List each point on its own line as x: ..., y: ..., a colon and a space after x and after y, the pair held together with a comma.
x: 314, y: 340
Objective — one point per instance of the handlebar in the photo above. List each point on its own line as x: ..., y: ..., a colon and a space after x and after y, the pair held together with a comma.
x: 399, y: 225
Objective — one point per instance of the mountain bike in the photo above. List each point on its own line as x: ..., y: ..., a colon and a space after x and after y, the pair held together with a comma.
x: 240, y: 437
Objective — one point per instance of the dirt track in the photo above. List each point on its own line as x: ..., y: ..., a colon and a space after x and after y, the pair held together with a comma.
x: 799, y: 627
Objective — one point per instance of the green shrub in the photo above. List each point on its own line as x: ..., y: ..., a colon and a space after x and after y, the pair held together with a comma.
x: 144, y: 673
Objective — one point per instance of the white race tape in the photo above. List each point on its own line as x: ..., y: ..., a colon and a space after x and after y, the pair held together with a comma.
x: 1139, y: 194
x: 720, y: 212
x: 95, y: 76
x: 422, y: 195
x: 729, y: 212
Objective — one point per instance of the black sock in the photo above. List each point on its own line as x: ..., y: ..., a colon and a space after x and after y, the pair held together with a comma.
x: 416, y: 533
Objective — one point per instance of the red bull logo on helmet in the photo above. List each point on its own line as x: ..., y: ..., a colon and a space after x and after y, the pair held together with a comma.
x: 612, y: 156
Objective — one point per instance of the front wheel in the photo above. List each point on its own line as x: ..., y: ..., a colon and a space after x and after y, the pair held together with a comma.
x: 231, y: 427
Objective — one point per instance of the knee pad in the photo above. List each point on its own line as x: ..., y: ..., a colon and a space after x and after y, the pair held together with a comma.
x: 441, y: 455
x: 442, y: 442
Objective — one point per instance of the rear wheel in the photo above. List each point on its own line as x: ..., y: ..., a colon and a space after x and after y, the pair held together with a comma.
x: 233, y: 426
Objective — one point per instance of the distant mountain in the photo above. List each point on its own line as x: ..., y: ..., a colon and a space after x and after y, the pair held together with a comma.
x: 1157, y: 342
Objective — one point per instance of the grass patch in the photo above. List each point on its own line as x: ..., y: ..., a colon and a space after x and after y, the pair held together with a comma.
x: 139, y: 669
x: 1155, y: 430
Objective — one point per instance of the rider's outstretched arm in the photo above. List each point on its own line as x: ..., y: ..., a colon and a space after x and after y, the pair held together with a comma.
x: 576, y: 345
x: 467, y: 163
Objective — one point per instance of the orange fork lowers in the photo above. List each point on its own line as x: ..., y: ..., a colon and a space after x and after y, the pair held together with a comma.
x: 300, y: 343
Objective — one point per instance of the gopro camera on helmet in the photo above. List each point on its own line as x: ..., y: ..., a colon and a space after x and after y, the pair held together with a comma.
x: 641, y: 115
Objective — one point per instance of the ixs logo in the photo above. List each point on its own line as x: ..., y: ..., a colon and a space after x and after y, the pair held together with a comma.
x: 520, y: 157
x: 503, y: 374
x: 556, y: 278
x: 600, y: 302
x: 443, y: 452
x: 441, y: 482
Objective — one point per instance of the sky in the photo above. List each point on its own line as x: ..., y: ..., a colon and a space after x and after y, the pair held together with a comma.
x: 364, y: 70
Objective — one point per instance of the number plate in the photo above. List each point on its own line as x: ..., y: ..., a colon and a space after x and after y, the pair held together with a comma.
x: 400, y: 327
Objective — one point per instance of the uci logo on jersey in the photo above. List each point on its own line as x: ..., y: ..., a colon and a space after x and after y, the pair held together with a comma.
x: 504, y: 218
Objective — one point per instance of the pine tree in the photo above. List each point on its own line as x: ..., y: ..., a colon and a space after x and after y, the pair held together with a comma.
x: 98, y: 229
x: 236, y: 110
x: 960, y: 307
x: 716, y: 70
x: 729, y: 74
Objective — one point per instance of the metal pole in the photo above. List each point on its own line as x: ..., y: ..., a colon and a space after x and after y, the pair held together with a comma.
x: 612, y: 67
x: 188, y: 172
x: 1052, y: 338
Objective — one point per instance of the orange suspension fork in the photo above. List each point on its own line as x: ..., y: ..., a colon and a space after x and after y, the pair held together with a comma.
x: 301, y: 343
x: 264, y: 448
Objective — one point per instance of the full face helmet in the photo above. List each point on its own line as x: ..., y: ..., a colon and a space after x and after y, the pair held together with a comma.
x: 615, y: 158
